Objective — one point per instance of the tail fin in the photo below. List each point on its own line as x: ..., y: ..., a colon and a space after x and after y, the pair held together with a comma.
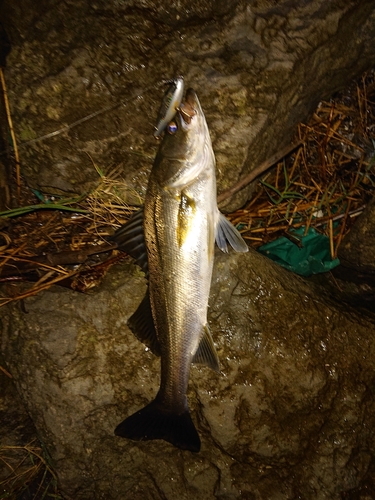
x: 153, y: 422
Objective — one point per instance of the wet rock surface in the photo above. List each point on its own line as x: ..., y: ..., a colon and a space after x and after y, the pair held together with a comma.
x: 292, y: 413
x: 17, y: 429
x: 358, y: 249
x: 290, y: 416
x: 259, y: 68
x: 356, y: 274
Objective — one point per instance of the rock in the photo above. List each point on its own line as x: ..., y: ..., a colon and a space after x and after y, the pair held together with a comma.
x: 258, y: 67
x: 292, y: 413
x: 290, y: 416
x: 356, y: 274
x: 358, y: 248
x: 17, y: 430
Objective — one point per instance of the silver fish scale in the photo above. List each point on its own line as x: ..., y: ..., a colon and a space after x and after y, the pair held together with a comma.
x: 181, y: 222
x: 180, y: 274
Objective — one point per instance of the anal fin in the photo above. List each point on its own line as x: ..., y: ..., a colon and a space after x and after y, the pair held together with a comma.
x: 206, y: 353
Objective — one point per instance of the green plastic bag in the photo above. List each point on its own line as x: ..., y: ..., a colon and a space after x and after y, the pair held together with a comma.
x: 312, y: 256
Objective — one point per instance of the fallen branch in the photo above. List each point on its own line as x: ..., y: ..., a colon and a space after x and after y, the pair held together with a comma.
x: 257, y: 171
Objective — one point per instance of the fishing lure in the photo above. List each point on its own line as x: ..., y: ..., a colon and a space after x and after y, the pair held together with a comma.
x: 170, y: 104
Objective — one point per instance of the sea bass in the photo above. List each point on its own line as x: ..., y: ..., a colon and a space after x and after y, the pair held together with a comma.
x: 173, y: 240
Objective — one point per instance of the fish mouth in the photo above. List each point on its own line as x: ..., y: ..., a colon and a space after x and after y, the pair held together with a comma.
x: 188, y: 108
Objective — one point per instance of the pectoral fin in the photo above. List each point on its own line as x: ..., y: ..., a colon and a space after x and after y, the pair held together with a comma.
x: 206, y: 353
x: 142, y: 325
x: 226, y: 232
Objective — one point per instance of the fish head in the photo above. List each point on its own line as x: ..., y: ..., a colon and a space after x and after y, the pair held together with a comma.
x: 186, y: 148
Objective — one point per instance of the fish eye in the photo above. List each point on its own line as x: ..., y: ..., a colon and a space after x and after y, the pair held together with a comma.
x: 172, y: 128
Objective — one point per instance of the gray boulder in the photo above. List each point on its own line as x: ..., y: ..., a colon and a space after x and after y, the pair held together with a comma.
x: 291, y: 414
x: 258, y: 67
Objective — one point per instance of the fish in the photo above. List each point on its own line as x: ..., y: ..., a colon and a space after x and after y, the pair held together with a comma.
x: 172, y: 239
x: 169, y: 105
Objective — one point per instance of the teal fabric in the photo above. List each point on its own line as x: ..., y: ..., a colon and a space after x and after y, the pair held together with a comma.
x: 311, y: 256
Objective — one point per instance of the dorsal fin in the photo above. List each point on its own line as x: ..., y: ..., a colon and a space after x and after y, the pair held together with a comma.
x: 130, y: 239
x: 142, y: 325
